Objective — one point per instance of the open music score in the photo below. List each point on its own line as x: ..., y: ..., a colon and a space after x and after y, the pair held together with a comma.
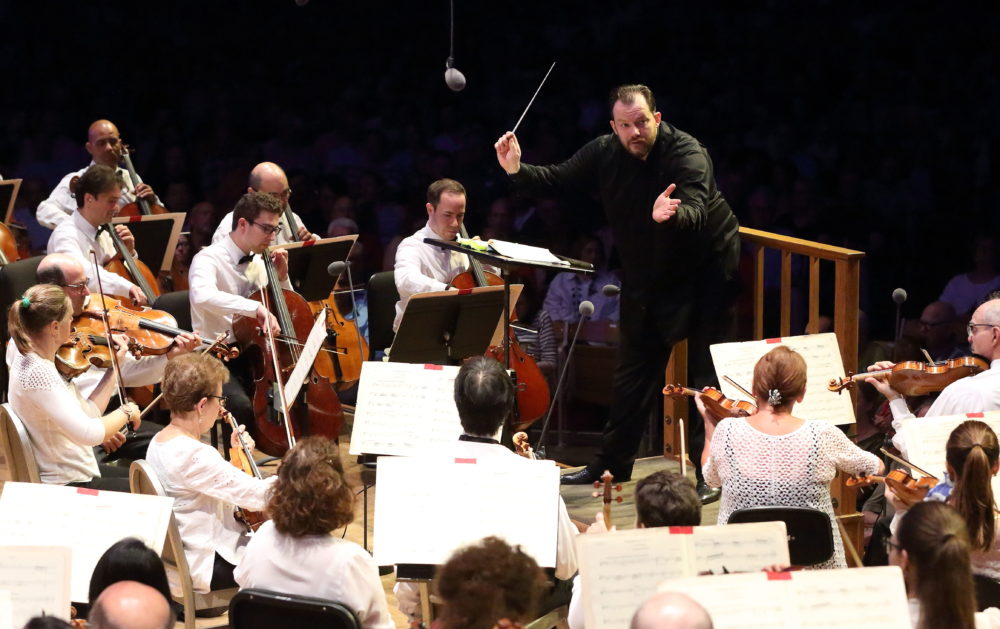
x: 848, y: 598
x: 405, y: 409
x: 620, y: 570
x: 823, y: 362
x: 925, y: 439
x: 36, y: 579
x: 469, y: 500
x: 86, y: 521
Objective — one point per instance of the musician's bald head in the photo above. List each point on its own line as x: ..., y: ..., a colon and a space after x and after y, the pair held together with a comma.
x: 67, y: 272
x: 984, y: 325
x: 130, y: 605
x: 102, y: 142
x: 270, y: 178
x: 671, y: 610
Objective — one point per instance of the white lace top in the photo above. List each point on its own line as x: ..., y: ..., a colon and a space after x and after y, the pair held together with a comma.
x: 62, y: 425
x: 205, y: 487
x: 759, y: 470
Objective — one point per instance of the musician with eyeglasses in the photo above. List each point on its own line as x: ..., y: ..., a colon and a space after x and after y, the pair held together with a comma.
x: 975, y: 394
x: 270, y: 178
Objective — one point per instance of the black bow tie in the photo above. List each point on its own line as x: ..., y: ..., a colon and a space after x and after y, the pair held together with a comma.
x: 246, y: 258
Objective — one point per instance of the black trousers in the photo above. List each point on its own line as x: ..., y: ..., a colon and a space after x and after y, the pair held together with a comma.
x: 701, y: 312
x: 112, y: 478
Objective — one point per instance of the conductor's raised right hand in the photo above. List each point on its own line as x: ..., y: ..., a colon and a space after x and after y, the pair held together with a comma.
x: 508, y: 152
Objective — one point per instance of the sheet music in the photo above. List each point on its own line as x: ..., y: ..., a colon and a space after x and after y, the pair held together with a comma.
x: 524, y: 252
x: 7, y: 612
x: 85, y: 520
x: 926, y: 437
x: 426, y: 508
x: 307, y: 357
x: 823, y: 362
x: 875, y: 597
x: 37, y: 581
x: 620, y: 570
x: 405, y: 409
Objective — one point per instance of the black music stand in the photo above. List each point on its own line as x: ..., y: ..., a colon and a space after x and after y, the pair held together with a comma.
x: 156, y: 237
x: 308, y: 262
x: 8, y: 195
x: 443, y: 328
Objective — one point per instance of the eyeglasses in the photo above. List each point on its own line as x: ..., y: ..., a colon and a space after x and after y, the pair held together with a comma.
x: 222, y: 398
x: 971, y: 328
x: 267, y: 229
x: 889, y: 545
x: 78, y: 286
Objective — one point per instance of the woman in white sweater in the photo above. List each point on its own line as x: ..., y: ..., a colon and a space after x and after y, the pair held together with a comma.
x: 63, y: 426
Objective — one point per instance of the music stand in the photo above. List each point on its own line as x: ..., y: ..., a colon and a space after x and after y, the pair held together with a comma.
x: 308, y: 262
x: 158, y: 234
x: 445, y: 327
x: 8, y: 195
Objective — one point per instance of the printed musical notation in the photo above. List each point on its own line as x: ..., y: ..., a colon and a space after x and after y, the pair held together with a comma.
x: 925, y: 440
x: 36, y: 579
x: 823, y: 362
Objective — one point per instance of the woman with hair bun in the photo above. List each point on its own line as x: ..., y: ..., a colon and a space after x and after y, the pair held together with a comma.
x: 772, y: 458
x: 295, y: 552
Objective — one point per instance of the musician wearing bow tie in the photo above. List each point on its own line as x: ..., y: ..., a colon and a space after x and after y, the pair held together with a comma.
x: 103, y: 144
x: 225, y: 273
x: 98, y: 193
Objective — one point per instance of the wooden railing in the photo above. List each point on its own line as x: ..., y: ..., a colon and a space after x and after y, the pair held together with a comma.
x: 847, y: 267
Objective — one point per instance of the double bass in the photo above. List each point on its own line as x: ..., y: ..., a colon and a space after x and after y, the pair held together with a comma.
x: 532, y: 389
x: 316, y: 410
x: 141, y: 206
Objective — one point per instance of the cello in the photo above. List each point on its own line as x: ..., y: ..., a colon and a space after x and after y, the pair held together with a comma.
x: 316, y: 410
x: 532, y: 389
x: 141, y: 206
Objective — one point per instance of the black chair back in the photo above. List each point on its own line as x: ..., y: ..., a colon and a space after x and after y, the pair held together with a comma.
x: 261, y: 609
x: 810, y: 535
x: 15, y: 278
x: 178, y: 304
x: 382, y: 298
x: 987, y: 592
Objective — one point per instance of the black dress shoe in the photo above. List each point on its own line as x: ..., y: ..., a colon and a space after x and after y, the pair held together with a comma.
x: 706, y: 493
x: 586, y: 476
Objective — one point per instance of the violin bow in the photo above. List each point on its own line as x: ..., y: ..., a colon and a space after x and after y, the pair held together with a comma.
x: 276, y: 366
x: 684, y: 455
x: 902, y: 461
x: 736, y: 384
x: 218, y: 341
x: 115, y: 368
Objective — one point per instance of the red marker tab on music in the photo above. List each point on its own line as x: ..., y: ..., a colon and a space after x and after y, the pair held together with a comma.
x: 779, y: 576
x: 681, y: 530
x: 308, y: 243
x: 466, y: 461
x: 773, y: 341
x: 465, y: 291
x: 433, y: 367
x: 135, y: 219
x: 86, y: 491
x: 975, y: 415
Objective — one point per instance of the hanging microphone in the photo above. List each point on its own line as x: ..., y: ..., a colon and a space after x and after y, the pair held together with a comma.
x: 336, y: 269
x: 453, y: 77
x: 611, y: 290
x: 898, y: 296
x: 586, y: 309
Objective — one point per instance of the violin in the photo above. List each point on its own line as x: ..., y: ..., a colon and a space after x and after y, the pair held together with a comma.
x: 907, y: 488
x: 606, y: 495
x: 714, y: 401
x: 81, y: 352
x: 532, y: 388
x: 141, y: 206
x: 912, y: 377
x: 242, y: 458
x: 317, y: 409
x: 521, y: 445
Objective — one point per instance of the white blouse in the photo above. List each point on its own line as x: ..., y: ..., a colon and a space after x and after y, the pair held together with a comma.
x: 755, y: 469
x: 205, y: 487
x: 63, y: 426
x: 321, y: 566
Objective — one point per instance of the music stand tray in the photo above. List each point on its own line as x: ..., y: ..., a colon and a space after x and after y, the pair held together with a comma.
x: 308, y: 261
x: 445, y: 327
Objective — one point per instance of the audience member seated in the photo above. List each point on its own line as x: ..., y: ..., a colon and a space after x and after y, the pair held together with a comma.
x: 296, y: 553
x: 130, y: 605
x: 772, y: 458
x: 661, y: 499
x: 63, y: 426
x: 205, y: 487
x: 965, y: 291
x: 931, y: 547
x: 939, y: 332
x: 671, y: 610
x: 129, y: 560
x: 567, y: 290
x: 489, y: 584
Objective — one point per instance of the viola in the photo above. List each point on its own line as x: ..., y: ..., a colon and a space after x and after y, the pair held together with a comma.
x: 913, y: 377
x: 907, y: 488
x: 242, y: 457
x: 606, y: 494
x: 317, y: 409
x: 521, y: 445
x: 81, y: 352
x: 532, y: 388
x: 714, y: 401
x: 141, y: 206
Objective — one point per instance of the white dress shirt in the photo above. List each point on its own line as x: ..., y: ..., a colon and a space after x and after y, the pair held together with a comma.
x: 63, y: 426
x: 422, y: 268
x: 321, y: 566
x: 61, y: 203
x: 975, y: 394
x: 219, y: 288
x: 76, y: 237
x: 283, y: 237
x: 205, y: 488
